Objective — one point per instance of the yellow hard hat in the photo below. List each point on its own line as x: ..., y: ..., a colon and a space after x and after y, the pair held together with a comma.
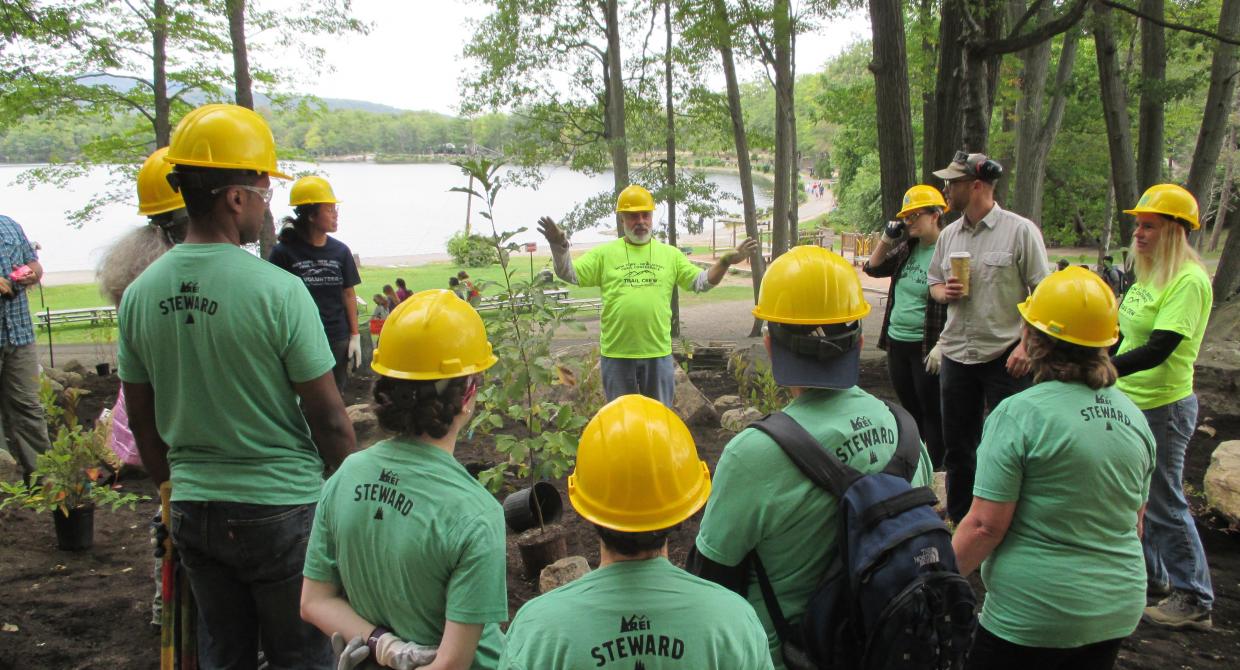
x: 1074, y: 305
x: 155, y: 194
x: 432, y: 335
x: 634, y: 198
x: 1170, y: 200
x: 637, y: 468
x: 311, y: 190
x: 809, y: 285
x: 921, y: 197
x: 224, y: 137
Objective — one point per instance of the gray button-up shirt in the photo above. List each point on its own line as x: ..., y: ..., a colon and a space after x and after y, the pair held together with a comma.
x: 1009, y: 259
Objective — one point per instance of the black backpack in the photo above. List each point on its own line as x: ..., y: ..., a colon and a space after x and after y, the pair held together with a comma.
x: 893, y: 597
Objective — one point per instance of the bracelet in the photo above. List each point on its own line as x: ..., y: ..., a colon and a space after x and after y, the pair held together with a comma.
x: 373, y: 640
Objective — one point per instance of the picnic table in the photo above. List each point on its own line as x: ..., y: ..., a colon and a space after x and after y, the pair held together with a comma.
x: 92, y: 315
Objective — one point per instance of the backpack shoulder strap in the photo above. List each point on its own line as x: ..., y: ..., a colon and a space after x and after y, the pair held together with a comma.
x: 904, y: 461
x: 819, y: 465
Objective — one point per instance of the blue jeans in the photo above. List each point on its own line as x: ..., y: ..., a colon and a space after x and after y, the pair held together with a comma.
x: 244, y: 564
x: 651, y: 377
x: 1173, y: 551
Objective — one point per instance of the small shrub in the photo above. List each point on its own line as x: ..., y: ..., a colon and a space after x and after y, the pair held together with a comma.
x: 471, y: 251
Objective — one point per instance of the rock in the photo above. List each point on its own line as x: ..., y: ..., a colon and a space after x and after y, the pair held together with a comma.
x: 1206, y: 430
x: 74, y: 366
x: 55, y: 375
x: 9, y: 472
x: 365, y: 424
x: 939, y: 486
x: 562, y: 572
x: 736, y: 420
x: 1222, y: 481
x: 726, y: 402
x: 701, y: 375
x: 57, y: 387
x: 690, y: 404
x: 73, y: 380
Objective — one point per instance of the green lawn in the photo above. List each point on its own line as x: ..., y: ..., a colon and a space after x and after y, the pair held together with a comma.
x: 417, y: 278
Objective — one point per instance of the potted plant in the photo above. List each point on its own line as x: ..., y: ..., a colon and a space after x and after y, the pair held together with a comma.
x: 71, y: 479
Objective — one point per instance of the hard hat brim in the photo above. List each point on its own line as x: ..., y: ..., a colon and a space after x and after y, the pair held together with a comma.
x: 643, y: 521
x: 221, y: 166
x: 1045, y: 329
x: 1195, y: 225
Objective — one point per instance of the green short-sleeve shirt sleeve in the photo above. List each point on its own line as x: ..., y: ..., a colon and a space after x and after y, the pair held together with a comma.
x: 306, y: 354
x: 1000, y: 457
x: 130, y: 367
x: 1184, y: 304
x: 686, y: 272
x: 589, y: 267
x: 320, y: 562
x: 477, y: 590
x: 739, y: 528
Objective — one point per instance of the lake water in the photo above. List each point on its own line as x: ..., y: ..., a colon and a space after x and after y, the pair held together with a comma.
x: 386, y: 210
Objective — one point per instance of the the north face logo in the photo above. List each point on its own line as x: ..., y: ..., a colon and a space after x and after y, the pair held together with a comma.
x: 927, y: 556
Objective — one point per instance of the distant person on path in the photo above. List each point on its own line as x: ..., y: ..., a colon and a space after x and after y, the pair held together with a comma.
x: 1113, y: 276
x: 762, y: 505
x: 1162, y: 321
x: 414, y: 564
x: 472, y: 294
x: 912, y: 323
x: 326, y: 267
x: 381, y: 310
x: 983, y: 358
x: 390, y: 294
x: 402, y: 291
x: 638, y: 477
x: 637, y: 274
x: 223, y: 361
x: 457, y: 289
x: 1063, y: 472
x: 23, y: 425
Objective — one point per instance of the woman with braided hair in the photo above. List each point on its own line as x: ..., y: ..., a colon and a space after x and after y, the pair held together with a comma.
x: 406, y: 558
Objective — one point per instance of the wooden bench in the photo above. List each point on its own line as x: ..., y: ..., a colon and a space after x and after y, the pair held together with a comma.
x: 92, y: 315
x: 495, y: 302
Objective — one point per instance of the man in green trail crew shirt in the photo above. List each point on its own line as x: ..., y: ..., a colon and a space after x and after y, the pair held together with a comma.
x: 813, y: 303
x: 637, y: 274
x: 216, y: 349
x: 637, y: 477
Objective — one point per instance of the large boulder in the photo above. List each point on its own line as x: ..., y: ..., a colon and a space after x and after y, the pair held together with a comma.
x: 738, y: 419
x: 365, y: 424
x: 1222, y: 481
x: 690, y: 404
x: 726, y: 402
x: 562, y: 572
x: 1216, y: 379
x: 56, y: 375
x: 74, y: 366
x: 9, y: 472
x: 939, y: 486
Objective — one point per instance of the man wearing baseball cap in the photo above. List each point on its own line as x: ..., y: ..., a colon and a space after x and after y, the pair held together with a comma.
x: 986, y: 262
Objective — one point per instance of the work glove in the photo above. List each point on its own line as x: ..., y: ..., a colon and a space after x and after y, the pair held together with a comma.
x: 348, y: 655
x: 552, y: 232
x: 741, y: 252
x: 355, y: 352
x: 393, y: 652
x: 934, y: 359
x: 894, y: 232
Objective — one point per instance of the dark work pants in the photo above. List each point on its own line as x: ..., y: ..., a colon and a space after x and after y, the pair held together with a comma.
x: 918, y: 392
x: 340, y: 351
x: 969, y: 392
x: 991, y: 652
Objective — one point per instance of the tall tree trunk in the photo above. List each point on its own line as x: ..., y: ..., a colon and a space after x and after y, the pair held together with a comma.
x: 980, y: 76
x: 1108, y: 221
x: 794, y: 175
x: 1224, y: 196
x: 889, y: 64
x: 241, y: 56
x: 942, y: 138
x: 1227, y: 275
x: 783, y: 161
x: 671, y: 157
x: 927, y: 94
x: 1214, y: 117
x: 741, y: 140
x: 1150, y: 119
x: 1115, y: 112
x: 1035, y: 137
x: 617, y: 144
x: 159, y: 77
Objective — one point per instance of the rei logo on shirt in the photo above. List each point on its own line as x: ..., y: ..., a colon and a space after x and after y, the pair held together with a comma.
x: 384, y: 491
x: 633, y: 642
x: 1103, y: 409
x: 188, y: 301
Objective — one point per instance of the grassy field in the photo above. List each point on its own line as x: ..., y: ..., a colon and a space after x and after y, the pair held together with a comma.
x: 417, y: 278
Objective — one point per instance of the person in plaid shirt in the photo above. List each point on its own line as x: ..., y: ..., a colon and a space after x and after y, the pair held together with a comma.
x: 23, y: 427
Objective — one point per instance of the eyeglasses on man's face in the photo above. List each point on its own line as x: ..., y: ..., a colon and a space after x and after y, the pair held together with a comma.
x: 264, y: 193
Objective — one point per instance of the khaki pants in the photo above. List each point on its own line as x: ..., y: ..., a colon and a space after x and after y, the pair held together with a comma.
x: 23, y: 426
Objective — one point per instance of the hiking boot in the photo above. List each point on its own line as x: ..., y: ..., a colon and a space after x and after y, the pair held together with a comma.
x: 1179, y: 610
x: 1157, y: 590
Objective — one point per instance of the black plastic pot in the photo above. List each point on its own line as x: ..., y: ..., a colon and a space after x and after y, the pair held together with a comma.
x: 103, y: 369
x: 540, y: 548
x: 521, y: 509
x: 76, y: 531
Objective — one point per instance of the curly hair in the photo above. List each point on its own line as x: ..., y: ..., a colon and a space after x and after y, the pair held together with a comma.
x: 1057, y: 360
x: 127, y: 258
x: 414, y: 407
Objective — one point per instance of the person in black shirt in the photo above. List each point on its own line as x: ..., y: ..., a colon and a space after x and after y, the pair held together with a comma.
x: 326, y: 266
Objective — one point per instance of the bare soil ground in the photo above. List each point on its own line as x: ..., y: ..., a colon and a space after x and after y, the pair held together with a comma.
x: 91, y: 609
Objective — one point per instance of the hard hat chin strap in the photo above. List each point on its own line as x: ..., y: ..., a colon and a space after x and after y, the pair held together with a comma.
x: 818, y: 344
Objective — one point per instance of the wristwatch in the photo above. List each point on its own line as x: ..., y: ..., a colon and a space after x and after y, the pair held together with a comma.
x: 373, y: 640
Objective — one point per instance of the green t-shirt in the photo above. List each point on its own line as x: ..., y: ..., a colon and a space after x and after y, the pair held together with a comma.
x: 1182, y: 306
x: 637, y: 614
x: 413, y: 541
x: 1077, y: 462
x: 760, y: 499
x: 221, y: 336
x: 908, y: 314
x: 637, y: 283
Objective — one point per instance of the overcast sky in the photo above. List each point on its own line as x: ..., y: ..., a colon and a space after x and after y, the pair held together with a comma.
x: 412, y: 57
